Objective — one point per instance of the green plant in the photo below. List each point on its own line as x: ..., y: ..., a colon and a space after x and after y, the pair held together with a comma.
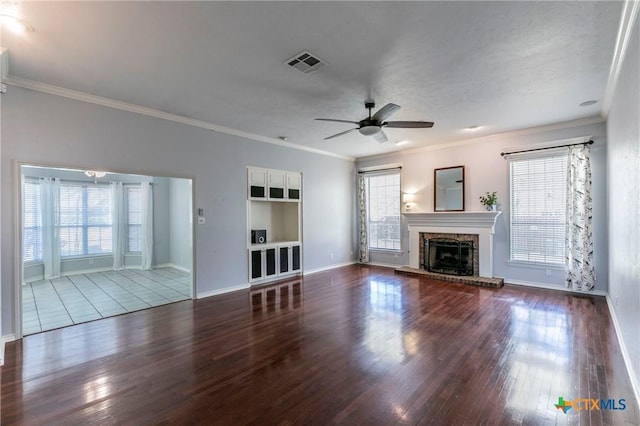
x: 490, y: 199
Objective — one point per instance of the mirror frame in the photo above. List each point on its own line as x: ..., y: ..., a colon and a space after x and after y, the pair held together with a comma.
x: 435, y: 189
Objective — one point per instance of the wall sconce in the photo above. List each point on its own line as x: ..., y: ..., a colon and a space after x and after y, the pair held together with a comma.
x: 407, y: 199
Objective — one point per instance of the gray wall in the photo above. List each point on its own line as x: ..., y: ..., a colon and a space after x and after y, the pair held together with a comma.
x: 161, y: 220
x: 180, y: 225
x: 486, y: 170
x: 623, y: 131
x: 45, y: 129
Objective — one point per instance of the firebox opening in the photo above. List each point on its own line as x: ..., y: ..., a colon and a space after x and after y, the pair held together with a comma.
x: 448, y: 256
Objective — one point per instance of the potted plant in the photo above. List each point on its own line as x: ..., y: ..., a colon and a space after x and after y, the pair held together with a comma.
x: 490, y: 201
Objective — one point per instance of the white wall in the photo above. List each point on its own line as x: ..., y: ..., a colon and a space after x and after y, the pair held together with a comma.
x: 486, y: 170
x: 623, y: 134
x: 46, y: 129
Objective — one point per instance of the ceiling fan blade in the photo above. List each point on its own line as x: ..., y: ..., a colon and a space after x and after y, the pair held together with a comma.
x: 380, y: 137
x: 337, y: 121
x: 385, y: 112
x: 409, y: 124
x: 340, y: 134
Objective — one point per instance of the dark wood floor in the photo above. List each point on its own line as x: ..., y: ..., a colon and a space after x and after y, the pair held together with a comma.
x: 355, y: 345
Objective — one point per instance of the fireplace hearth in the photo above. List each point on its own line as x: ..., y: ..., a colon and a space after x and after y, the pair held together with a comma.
x: 448, y: 256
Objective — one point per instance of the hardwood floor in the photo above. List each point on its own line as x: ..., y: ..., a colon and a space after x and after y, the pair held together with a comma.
x: 355, y: 345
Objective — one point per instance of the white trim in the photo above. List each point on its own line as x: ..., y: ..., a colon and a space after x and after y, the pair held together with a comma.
x: 4, y: 340
x: 223, y: 291
x: 328, y: 268
x: 536, y: 265
x: 151, y: 112
x: 627, y: 20
x: 380, y: 264
x: 554, y: 287
x: 479, y: 139
x: 625, y: 352
x: 172, y: 265
x: 4, y: 63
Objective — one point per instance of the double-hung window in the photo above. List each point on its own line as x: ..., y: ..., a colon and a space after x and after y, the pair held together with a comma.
x: 538, y: 209
x: 85, y: 226
x: 383, y: 210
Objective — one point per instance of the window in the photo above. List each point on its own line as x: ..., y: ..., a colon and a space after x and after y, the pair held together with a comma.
x: 85, y: 220
x: 538, y: 209
x: 383, y: 207
x: 32, y: 234
x: 134, y: 218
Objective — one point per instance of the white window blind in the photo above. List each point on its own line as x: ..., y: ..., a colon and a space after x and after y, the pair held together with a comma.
x: 383, y: 208
x: 134, y: 219
x: 32, y: 233
x: 85, y: 219
x: 538, y: 209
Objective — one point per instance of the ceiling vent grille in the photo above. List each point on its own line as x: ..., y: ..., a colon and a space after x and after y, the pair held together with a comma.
x: 305, y: 62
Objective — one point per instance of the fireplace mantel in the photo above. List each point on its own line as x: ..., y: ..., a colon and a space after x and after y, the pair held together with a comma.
x: 482, y: 219
x: 481, y: 223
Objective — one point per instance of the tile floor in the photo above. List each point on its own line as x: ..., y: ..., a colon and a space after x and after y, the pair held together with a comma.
x: 75, y: 299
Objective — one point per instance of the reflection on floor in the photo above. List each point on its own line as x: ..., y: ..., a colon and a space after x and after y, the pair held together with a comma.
x: 75, y: 299
x: 276, y: 297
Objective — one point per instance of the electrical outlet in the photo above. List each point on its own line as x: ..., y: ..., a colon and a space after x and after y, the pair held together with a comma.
x: 331, y: 256
x: 200, y: 220
x: 548, y: 272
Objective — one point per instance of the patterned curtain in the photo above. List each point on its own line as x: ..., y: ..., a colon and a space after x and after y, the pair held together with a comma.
x: 363, y: 241
x: 580, y: 273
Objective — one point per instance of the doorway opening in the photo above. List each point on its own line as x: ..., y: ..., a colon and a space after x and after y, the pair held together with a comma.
x: 98, y: 244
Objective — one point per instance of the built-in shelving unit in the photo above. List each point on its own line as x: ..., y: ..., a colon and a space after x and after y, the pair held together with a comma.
x: 274, y: 211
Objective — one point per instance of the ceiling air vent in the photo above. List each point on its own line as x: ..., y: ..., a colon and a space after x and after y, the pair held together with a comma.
x: 305, y: 62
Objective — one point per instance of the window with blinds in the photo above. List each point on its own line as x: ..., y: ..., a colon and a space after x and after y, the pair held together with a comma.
x: 85, y: 219
x: 32, y: 233
x: 538, y: 209
x: 134, y: 219
x: 383, y: 208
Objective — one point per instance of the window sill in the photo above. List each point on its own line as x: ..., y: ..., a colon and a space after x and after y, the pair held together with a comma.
x: 535, y: 265
x: 388, y: 251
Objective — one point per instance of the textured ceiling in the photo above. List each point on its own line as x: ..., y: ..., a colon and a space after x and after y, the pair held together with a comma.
x: 501, y: 65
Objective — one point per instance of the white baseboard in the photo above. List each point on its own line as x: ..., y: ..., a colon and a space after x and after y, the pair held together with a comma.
x: 554, y: 287
x: 222, y: 291
x: 384, y: 265
x: 3, y: 341
x: 174, y: 266
x: 327, y: 268
x: 625, y: 352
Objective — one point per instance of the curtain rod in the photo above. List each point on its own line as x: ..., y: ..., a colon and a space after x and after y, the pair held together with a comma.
x: 548, y: 147
x: 379, y: 170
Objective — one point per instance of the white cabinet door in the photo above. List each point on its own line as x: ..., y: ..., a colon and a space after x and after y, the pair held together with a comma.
x: 294, y: 185
x: 263, y: 263
x: 289, y: 258
x: 276, y: 179
x: 257, y: 179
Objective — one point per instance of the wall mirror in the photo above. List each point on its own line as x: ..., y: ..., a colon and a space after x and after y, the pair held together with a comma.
x: 449, y: 189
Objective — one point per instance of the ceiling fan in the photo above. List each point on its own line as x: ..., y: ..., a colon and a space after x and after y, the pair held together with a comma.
x: 372, y: 125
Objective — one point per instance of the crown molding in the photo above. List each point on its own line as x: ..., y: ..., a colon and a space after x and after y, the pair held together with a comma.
x: 478, y: 139
x: 151, y: 112
x: 627, y: 20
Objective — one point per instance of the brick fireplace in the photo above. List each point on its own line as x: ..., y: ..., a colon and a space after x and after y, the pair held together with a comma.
x: 426, y: 259
x: 468, y: 226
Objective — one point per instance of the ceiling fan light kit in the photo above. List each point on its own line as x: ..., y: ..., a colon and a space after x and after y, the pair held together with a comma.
x: 373, y: 124
x: 369, y: 130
